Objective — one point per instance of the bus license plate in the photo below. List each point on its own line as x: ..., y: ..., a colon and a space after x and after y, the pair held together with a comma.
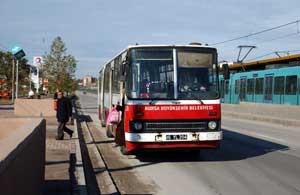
x: 176, y: 137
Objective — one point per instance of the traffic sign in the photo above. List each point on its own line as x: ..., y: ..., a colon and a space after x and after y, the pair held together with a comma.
x: 37, y: 61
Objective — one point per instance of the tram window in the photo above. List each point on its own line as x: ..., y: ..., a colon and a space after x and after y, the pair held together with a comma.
x: 279, y: 85
x: 237, y: 84
x: 226, y: 86
x: 259, y: 85
x: 222, y: 88
x: 291, y: 85
x: 268, y: 87
x: 299, y: 85
x: 250, y: 86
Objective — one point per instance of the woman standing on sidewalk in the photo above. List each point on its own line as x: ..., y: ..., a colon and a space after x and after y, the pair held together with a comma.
x: 63, y: 113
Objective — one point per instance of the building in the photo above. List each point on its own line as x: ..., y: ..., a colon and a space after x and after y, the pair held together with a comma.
x: 89, y: 81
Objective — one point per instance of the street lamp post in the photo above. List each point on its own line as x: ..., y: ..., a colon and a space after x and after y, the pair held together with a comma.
x: 13, y: 81
x: 18, y: 53
x: 17, y: 79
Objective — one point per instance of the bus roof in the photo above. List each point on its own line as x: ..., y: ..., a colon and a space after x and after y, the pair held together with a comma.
x: 157, y: 46
x: 143, y: 46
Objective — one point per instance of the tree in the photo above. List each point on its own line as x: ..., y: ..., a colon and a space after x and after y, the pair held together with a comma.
x: 6, y: 66
x: 59, y: 67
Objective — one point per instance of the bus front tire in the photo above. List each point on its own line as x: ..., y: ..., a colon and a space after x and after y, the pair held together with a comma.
x: 124, y: 151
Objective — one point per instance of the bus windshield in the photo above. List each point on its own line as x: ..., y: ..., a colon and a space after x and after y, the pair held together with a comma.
x: 197, y: 78
x: 151, y: 74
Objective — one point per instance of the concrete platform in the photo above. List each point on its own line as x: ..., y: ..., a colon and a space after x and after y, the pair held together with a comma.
x: 34, y: 107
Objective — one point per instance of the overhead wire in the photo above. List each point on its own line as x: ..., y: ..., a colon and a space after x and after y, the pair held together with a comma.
x: 277, y: 38
x: 256, y: 33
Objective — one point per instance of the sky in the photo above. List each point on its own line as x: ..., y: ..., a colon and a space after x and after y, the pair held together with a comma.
x: 94, y: 31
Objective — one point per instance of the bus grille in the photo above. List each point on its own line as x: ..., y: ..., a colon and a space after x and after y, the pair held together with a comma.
x: 175, y: 126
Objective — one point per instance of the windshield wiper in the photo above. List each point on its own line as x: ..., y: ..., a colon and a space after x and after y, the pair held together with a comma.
x: 151, y: 102
x: 197, y: 98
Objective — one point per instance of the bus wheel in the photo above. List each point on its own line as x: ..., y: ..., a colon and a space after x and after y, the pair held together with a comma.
x: 109, y: 133
x: 124, y: 151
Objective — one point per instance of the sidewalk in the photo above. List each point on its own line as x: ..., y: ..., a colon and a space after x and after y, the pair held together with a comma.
x: 57, y: 176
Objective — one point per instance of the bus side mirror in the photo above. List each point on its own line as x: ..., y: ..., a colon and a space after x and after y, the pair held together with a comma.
x: 226, y: 73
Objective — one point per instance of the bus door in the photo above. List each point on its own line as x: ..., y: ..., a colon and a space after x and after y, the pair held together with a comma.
x: 268, y: 91
x: 243, y: 82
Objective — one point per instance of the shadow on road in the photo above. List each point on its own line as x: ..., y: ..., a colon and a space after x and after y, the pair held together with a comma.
x: 234, y: 146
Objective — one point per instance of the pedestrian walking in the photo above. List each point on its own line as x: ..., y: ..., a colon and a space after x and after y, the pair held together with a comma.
x: 63, y: 114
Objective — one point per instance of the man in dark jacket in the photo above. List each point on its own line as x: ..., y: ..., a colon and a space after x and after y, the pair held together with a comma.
x: 63, y: 113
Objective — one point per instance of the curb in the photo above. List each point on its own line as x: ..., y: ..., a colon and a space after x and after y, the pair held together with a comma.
x: 106, y: 184
x: 77, y: 175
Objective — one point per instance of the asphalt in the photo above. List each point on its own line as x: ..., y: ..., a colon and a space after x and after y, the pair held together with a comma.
x: 254, y: 158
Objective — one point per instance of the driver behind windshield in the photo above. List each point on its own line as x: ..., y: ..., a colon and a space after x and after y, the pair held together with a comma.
x: 192, y: 80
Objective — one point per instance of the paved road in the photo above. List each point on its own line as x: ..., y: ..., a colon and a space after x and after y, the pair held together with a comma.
x: 255, y: 158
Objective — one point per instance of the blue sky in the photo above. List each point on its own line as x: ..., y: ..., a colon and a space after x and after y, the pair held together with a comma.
x: 96, y: 30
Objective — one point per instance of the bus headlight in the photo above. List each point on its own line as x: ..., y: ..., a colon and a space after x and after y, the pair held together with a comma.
x: 212, y: 125
x: 138, y: 126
